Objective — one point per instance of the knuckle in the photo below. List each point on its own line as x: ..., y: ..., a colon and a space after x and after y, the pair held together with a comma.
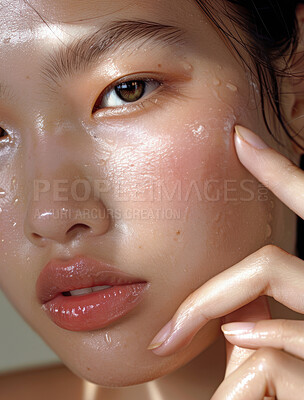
x: 270, y: 251
x: 272, y: 259
x: 266, y: 255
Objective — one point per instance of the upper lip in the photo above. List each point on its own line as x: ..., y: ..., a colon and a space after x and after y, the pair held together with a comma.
x: 77, y: 273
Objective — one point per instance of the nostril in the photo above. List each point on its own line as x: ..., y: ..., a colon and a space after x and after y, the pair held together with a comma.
x: 36, y: 236
x: 78, y: 227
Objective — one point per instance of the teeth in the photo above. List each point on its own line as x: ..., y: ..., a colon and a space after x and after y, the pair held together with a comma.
x: 97, y: 288
x: 81, y: 291
x: 88, y: 290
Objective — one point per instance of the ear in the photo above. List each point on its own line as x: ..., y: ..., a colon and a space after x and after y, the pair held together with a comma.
x: 294, y: 102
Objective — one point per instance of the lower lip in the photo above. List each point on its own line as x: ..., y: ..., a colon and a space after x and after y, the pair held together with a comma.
x: 95, y: 310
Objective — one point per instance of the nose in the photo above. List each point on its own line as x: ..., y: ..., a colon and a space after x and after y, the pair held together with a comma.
x: 62, y: 202
x: 64, y: 216
x: 53, y: 217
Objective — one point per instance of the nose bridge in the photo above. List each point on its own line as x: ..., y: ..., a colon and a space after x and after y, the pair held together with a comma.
x: 62, y: 200
x: 51, y: 145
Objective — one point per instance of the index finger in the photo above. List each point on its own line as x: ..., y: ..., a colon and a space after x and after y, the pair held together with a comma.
x: 269, y: 271
x: 272, y: 169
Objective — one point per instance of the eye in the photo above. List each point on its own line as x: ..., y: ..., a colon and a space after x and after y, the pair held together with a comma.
x: 125, y: 92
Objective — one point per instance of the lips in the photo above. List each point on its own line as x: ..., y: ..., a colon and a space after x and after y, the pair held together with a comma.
x: 95, y: 309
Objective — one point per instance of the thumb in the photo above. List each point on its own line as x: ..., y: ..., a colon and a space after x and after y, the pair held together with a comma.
x: 255, y: 311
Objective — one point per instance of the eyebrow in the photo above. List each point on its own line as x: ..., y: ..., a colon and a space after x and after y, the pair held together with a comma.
x: 83, y: 53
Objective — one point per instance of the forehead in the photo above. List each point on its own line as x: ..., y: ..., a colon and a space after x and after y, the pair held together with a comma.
x: 70, y: 11
x: 88, y: 11
x: 52, y: 23
x: 36, y: 27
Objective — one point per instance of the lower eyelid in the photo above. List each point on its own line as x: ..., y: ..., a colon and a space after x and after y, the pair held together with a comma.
x: 157, y: 98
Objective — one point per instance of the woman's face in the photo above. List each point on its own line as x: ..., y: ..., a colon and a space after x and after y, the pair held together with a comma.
x: 159, y: 162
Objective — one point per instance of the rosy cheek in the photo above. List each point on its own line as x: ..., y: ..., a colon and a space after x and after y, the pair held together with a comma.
x: 221, y: 201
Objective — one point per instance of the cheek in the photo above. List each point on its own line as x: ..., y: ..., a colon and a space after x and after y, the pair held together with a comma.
x: 220, y: 216
x: 225, y: 209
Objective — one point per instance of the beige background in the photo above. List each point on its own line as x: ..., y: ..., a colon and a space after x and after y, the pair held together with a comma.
x: 20, y: 346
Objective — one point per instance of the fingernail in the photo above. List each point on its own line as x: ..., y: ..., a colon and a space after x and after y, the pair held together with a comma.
x: 237, y: 328
x: 251, y: 138
x: 160, y: 338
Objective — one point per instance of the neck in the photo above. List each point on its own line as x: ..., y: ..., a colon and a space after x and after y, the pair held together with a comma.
x: 197, y: 380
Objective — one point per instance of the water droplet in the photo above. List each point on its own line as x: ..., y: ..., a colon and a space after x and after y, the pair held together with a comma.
x: 27, y: 259
x: 271, y: 203
x: 108, y: 338
x: 231, y: 87
x: 109, y: 141
x: 2, y: 192
x: 101, y: 162
x: 16, y: 201
x: 216, y: 82
x: 268, y: 231
x: 198, y: 132
x: 13, y: 183
x: 187, y: 66
x: 2, y: 240
x: 0, y: 210
x: 217, y: 218
x: 186, y: 214
x: 218, y: 97
x: 15, y: 223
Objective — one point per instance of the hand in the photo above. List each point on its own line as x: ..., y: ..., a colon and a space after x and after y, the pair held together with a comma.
x: 276, y: 368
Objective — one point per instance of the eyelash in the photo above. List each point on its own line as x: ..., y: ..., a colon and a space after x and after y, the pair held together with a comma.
x: 164, y: 90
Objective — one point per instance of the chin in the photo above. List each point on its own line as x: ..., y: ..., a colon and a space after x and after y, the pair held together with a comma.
x: 132, y: 364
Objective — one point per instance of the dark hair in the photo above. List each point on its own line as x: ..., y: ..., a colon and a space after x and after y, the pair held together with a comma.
x: 271, y: 32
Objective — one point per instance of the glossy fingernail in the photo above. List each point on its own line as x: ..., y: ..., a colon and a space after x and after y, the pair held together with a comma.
x: 237, y: 328
x: 251, y: 138
x: 160, y: 338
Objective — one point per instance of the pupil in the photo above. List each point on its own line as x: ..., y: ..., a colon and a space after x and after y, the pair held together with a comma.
x: 130, y: 91
x: 2, y: 133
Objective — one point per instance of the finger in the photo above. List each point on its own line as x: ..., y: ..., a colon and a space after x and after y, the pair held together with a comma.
x: 272, y: 169
x: 254, y: 311
x: 282, y: 334
x: 268, y: 372
x: 269, y: 271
